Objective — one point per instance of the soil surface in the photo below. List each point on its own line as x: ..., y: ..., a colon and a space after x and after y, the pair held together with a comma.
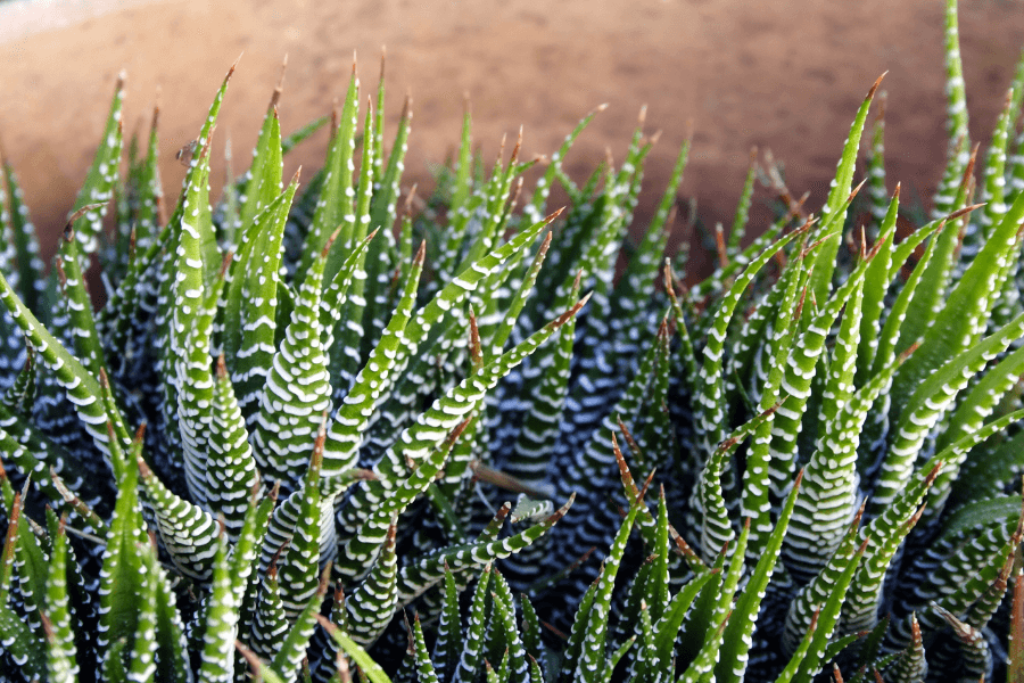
x: 786, y: 75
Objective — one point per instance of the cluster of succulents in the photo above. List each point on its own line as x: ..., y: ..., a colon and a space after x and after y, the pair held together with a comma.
x: 294, y: 445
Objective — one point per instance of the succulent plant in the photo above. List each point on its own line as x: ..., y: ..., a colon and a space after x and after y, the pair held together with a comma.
x: 293, y: 445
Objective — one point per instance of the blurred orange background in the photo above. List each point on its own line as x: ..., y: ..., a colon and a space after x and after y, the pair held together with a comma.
x: 786, y: 75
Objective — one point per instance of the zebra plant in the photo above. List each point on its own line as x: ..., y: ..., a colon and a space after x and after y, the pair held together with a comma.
x: 250, y: 470
x: 295, y: 443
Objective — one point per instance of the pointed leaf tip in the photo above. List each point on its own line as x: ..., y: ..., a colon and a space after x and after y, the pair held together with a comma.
x: 225, y: 263
x: 560, y: 512
x: 576, y: 282
x: 330, y: 242
x: 878, y: 82
x: 69, y: 232
x: 964, y: 211
x: 582, y: 302
x: 856, y: 190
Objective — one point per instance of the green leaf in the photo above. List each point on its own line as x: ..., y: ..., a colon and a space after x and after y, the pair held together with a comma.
x: 297, y: 391
x: 875, y: 286
x: 345, y: 434
x: 966, y: 309
x: 382, y: 216
x: 298, y: 569
x: 703, y: 666
x: 82, y: 388
x: 416, y: 578
x: 505, y: 614
x: 231, y: 468
x: 834, y: 210
x: 475, y: 632
x: 815, y: 597
x: 735, y: 649
x: 827, y: 616
x: 263, y: 179
x: 830, y: 480
x: 121, y: 577
x: 535, y: 209
x: 269, y: 624
x: 172, y: 648
x: 143, y: 664
x: 354, y: 230
x: 250, y: 354
x: 716, y: 527
x: 666, y: 629
x: 449, y: 630
x: 303, y: 134
x: 62, y: 652
x: 801, y: 367
x: 25, y: 647
x: 395, y: 485
x: 956, y: 113
x: 911, y: 667
x: 541, y: 424
x: 710, y: 399
x: 427, y: 674
x: 221, y: 621
x: 927, y: 404
x: 262, y: 672
x: 797, y: 659
x: 26, y: 273
x: 593, y: 656
x: 188, y: 532
x: 739, y: 223
x: 291, y: 649
x: 194, y: 302
x: 369, y: 668
x: 373, y: 602
x: 335, y: 205
x: 12, y: 510
x: 79, y: 305
x: 113, y: 663
x: 102, y: 176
